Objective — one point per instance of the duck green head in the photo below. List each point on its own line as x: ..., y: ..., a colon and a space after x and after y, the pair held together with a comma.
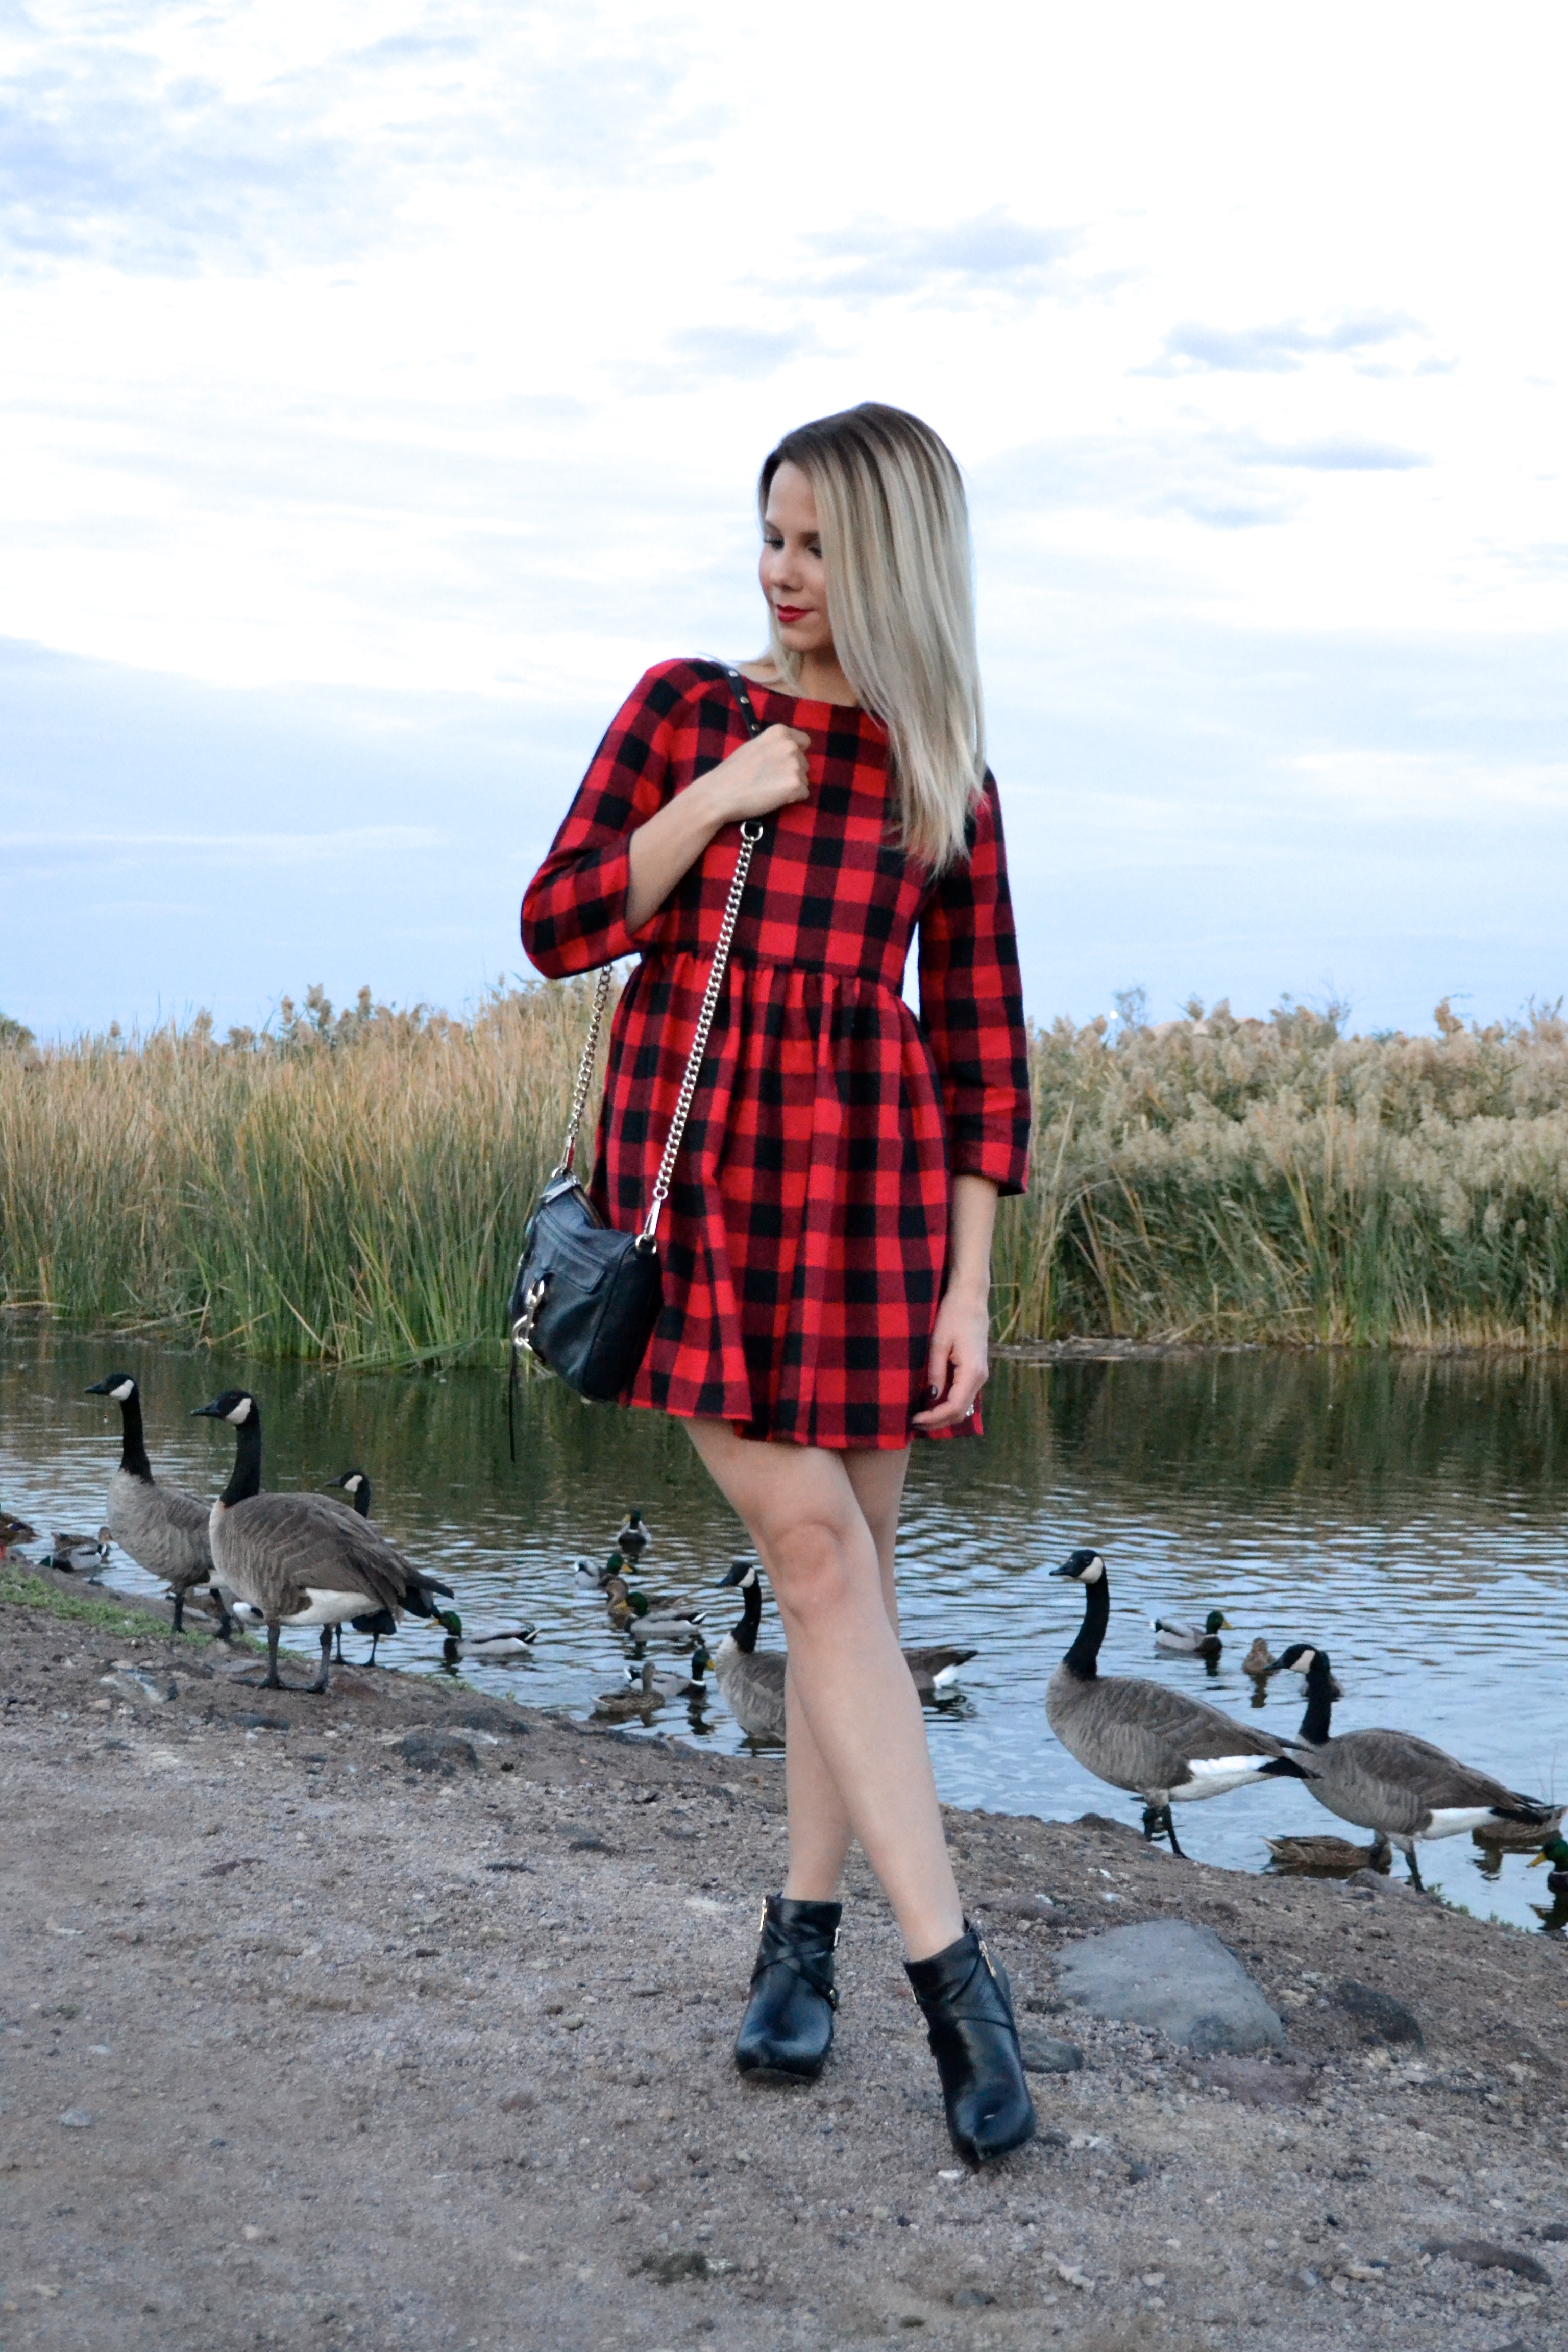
x: 637, y: 1604
x: 451, y: 1621
x: 1555, y: 1850
x: 701, y: 1659
x: 1216, y: 1621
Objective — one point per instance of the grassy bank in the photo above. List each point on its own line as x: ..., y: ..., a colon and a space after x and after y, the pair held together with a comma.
x: 352, y: 1188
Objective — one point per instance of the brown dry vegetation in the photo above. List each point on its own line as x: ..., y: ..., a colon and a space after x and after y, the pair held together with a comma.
x: 353, y: 1187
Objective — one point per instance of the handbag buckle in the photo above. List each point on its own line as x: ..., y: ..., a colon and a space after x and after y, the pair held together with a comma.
x: 532, y: 1300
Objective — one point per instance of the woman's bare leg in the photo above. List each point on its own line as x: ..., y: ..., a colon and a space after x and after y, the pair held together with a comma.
x: 819, y: 1830
x: 847, y: 1675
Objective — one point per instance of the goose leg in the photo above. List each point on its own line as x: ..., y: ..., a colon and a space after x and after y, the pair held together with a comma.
x: 1169, y: 1827
x: 179, y: 1624
x: 323, y: 1681
x: 225, y: 1622
x: 373, y: 1640
x: 1150, y: 1821
x: 1414, y: 1871
x: 273, y: 1680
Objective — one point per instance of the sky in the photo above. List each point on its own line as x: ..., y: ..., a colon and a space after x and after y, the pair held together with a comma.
x: 384, y: 389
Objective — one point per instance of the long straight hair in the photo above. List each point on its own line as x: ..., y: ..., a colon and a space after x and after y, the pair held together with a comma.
x: 900, y: 598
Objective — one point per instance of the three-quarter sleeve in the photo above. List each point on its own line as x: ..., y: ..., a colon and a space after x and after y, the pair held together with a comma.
x: 574, y: 910
x: 972, y: 1008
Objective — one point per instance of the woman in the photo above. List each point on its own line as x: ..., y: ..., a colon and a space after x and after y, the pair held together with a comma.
x: 827, y: 1255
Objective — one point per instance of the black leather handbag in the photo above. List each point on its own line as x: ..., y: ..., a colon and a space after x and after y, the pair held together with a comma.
x: 585, y: 1298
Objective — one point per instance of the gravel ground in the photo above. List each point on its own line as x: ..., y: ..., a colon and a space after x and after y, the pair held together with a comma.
x: 402, y: 2017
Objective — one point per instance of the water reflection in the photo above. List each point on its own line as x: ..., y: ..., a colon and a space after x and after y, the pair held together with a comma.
x: 1407, y: 1515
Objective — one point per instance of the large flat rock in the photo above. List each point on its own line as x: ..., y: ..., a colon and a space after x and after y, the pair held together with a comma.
x: 1175, y: 1977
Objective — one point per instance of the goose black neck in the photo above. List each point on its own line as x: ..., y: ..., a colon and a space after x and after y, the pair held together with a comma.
x: 745, y: 1634
x: 1083, y: 1659
x: 1320, y: 1702
x: 246, y: 1478
x: 133, y: 1447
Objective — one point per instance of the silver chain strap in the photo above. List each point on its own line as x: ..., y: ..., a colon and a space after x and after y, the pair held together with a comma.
x: 750, y: 834
x: 585, y: 1074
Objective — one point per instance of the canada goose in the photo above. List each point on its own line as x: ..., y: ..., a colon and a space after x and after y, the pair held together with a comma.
x: 1258, y: 1662
x: 1324, y: 1853
x: 1389, y: 1782
x: 1164, y: 1747
x: 14, y: 1530
x: 300, y: 1559
x: 77, y: 1555
x: 507, y: 1642
x: 377, y: 1622
x: 1193, y: 1641
x: 164, y: 1528
x: 1555, y: 1850
x: 753, y: 1680
x: 634, y: 1536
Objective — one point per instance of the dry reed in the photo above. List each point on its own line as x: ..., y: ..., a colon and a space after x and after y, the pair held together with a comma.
x: 352, y: 1188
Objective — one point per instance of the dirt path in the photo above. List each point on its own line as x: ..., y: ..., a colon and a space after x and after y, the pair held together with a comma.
x: 314, y: 2042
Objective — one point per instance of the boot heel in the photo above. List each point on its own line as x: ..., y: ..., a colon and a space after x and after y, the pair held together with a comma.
x: 787, y: 2030
x: 965, y: 1999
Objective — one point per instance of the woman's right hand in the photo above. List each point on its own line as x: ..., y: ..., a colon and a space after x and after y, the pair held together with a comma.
x: 766, y: 773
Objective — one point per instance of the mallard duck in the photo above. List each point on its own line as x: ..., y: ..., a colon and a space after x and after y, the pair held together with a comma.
x: 77, y: 1555
x: 507, y: 1642
x: 673, y: 1685
x: 645, y: 1617
x: 1516, y: 1837
x: 1193, y: 1641
x: 596, y: 1575
x: 1555, y: 1850
x: 1332, y: 1855
x: 1141, y: 1735
x: 1389, y: 1782
x: 1258, y: 1662
x: 14, y: 1530
x: 634, y: 1536
x: 300, y: 1559
x: 630, y: 1697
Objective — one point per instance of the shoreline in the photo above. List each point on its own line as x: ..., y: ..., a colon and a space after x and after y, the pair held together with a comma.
x: 403, y: 2016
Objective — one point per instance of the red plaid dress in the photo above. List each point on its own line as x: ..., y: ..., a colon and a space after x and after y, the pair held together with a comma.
x: 805, y: 1235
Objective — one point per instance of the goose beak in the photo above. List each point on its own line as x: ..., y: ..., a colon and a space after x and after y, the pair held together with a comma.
x: 1066, y: 1569
x: 208, y: 1411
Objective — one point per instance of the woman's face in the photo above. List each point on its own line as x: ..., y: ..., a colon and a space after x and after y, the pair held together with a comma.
x: 791, y: 570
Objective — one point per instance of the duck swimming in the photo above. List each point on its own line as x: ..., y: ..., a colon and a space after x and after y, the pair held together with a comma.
x: 1193, y: 1641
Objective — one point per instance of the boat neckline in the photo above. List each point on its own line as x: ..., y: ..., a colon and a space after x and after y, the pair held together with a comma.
x: 810, y: 701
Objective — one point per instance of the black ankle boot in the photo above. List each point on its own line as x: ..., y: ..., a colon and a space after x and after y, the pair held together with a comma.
x: 968, y: 2009
x: 787, y: 2030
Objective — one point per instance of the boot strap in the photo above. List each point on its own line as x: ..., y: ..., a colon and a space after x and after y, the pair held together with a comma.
x: 806, y: 1966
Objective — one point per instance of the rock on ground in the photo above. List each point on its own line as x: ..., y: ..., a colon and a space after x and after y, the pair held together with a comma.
x: 374, y: 2057
x: 1177, y: 1978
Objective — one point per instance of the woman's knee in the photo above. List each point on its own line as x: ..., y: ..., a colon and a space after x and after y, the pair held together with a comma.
x: 817, y: 1562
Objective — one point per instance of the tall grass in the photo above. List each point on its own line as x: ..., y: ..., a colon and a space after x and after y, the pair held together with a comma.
x: 352, y: 1188
x: 1222, y: 1179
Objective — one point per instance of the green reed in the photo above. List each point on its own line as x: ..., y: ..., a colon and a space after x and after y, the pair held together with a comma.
x: 352, y: 1188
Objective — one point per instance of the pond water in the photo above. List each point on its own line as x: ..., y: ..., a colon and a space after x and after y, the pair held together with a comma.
x: 1407, y: 1514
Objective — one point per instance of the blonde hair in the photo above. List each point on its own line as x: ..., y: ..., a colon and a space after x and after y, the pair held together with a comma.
x: 895, y: 546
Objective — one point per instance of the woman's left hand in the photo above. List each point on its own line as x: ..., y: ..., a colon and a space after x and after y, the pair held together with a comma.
x: 959, y: 1358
